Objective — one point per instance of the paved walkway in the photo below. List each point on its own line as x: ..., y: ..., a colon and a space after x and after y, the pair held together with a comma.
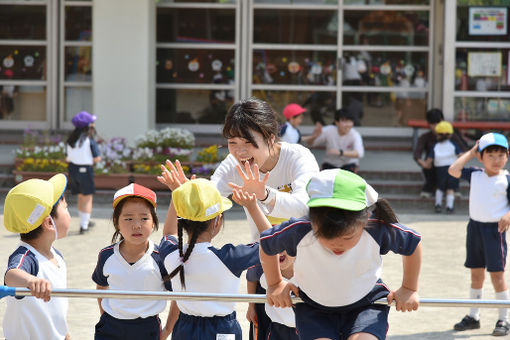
x: 442, y: 274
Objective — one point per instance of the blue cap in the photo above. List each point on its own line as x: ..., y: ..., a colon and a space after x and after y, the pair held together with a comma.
x: 492, y: 138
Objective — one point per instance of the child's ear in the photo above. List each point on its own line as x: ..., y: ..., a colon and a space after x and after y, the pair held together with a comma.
x: 479, y: 156
x: 47, y: 224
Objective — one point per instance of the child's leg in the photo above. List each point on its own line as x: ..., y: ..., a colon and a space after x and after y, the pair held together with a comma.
x: 450, y: 198
x: 498, y: 281
x: 477, y: 278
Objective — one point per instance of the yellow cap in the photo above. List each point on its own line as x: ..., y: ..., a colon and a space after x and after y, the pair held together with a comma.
x: 199, y: 200
x: 444, y: 127
x: 30, y: 202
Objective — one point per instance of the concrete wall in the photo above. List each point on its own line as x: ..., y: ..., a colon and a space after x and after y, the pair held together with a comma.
x: 124, y: 66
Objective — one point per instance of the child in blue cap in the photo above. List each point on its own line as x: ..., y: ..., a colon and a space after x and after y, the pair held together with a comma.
x: 489, y: 219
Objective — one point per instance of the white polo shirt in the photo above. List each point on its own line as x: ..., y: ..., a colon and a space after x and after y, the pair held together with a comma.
x: 208, y: 270
x: 338, y: 280
x: 30, y: 318
x: 489, y: 196
x: 114, y: 272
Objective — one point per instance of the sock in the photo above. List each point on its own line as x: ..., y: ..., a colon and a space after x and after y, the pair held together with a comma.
x: 84, y: 220
x: 450, y: 200
x: 503, y: 312
x: 439, y: 197
x: 475, y: 294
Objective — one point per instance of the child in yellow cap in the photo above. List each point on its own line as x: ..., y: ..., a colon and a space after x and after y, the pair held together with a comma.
x: 37, y: 210
x: 197, y: 266
x: 441, y: 156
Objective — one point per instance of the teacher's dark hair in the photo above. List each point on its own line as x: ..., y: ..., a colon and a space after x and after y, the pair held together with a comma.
x: 251, y: 114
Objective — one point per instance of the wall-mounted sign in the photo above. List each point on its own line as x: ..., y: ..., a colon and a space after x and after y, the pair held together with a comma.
x: 488, y: 20
x: 484, y: 64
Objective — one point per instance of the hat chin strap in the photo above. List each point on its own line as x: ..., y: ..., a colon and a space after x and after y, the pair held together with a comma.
x: 54, y: 227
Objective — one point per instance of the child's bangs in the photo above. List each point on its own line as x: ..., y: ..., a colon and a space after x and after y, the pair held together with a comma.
x: 239, y: 129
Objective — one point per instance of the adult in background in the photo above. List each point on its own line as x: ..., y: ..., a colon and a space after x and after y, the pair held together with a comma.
x: 425, y: 144
x: 82, y: 154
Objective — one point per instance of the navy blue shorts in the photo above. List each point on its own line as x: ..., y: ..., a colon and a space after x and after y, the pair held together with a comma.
x: 277, y: 331
x: 199, y: 327
x: 110, y: 328
x: 485, y: 246
x: 81, y: 179
x: 444, y: 180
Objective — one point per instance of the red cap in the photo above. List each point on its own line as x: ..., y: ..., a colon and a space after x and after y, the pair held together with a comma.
x: 292, y: 110
x: 136, y: 190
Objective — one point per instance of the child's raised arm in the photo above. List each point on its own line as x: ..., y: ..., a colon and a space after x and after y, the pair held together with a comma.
x: 406, y: 297
x: 455, y: 169
x: 40, y: 288
x: 250, y: 202
x: 170, y: 226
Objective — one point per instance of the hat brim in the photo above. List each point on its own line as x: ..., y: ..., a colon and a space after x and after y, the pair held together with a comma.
x: 59, y: 182
x: 339, y: 203
x: 120, y: 198
x: 225, y: 204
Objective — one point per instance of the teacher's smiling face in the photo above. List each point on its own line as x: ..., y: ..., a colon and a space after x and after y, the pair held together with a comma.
x: 256, y: 152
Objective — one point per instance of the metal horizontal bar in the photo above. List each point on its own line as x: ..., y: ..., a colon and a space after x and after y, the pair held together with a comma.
x: 254, y: 298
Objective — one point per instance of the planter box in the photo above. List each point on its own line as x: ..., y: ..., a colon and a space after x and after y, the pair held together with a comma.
x: 111, y: 181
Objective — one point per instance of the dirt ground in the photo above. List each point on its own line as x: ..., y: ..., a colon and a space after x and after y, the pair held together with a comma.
x: 442, y: 275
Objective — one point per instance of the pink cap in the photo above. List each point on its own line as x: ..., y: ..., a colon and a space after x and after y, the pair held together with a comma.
x: 292, y: 110
x: 136, y: 190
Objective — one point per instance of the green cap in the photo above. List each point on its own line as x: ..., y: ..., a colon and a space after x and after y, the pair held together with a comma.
x: 340, y: 189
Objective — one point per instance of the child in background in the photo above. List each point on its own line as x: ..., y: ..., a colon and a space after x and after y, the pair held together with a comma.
x: 82, y: 153
x: 425, y: 143
x: 441, y: 156
x: 489, y: 219
x: 133, y: 263
x: 282, y: 324
x: 344, y: 144
x: 289, y: 132
x: 200, y: 267
x: 37, y: 210
x: 338, y: 264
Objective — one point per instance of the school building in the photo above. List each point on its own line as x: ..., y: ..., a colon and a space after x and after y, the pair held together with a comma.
x: 142, y: 64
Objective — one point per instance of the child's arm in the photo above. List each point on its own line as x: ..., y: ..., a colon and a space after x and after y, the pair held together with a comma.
x: 173, y: 176
x: 278, y: 291
x: 425, y: 163
x: 99, y: 300
x: 40, y: 288
x: 170, y: 226
x: 504, y: 223
x: 250, y: 202
x: 173, y: 315
x: 406, y: 297
x: 317, y: 131
x: 251, y: 314
x: 455, y: 169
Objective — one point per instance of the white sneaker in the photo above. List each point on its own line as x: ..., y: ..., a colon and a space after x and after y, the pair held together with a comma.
x: 425, y: 194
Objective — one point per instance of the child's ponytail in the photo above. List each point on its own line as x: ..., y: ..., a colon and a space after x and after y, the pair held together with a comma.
x: 383, y: 212
x: 193, y: 229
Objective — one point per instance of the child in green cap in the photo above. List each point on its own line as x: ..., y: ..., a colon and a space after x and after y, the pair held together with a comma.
x: 37, y: 210
x: 338, y: 266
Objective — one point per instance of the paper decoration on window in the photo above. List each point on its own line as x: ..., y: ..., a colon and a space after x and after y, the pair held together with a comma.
x: 316, y: 69
x: 194, y: 65
x: 8, y: 61
x: 385, y: 68
x: 409, y: 70
x: 488, y: 20
x: 169, y: 64
x: 294, y: 67
x: 216, y: 65
x: 28, y: 61
x: 484, y: 64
